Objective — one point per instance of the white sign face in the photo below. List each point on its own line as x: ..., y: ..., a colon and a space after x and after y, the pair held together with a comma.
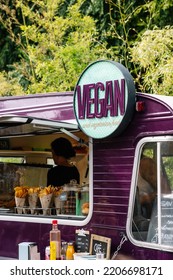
x: 104, y: 99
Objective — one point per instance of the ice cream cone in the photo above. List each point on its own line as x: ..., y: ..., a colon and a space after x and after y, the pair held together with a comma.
x: 45, y: 202
x: 32, y: 200
x: 20, y: 202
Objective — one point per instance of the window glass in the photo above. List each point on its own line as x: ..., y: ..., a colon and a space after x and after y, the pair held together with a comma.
x: 24, y: 194
x: 12, y: 159
x: 8, y: 174
x: 152, y: 217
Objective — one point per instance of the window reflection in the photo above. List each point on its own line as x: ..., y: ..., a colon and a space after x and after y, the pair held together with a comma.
x: 153, y: 209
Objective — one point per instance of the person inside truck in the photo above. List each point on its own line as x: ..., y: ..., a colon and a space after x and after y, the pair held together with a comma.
x: 63, y: 171
x: 147, y: 184
x: 146, y: 193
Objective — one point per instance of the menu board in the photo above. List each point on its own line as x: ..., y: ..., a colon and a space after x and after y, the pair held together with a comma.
x: 166, y: 222
x: 100, y: 244
x: 82, y: 241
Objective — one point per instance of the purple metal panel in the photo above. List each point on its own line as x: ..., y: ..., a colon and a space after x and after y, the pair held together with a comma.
x: 53, y: 106
x: 12, y: 233
x: 113, y: 162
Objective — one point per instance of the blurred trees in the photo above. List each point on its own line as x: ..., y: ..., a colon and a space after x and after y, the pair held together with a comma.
x: 54, y: 44
x: 154, y: 54
x: 141, y: 37
x: 46, y: 44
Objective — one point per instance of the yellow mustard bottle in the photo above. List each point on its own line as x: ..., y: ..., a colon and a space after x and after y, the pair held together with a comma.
x: 70, y: 251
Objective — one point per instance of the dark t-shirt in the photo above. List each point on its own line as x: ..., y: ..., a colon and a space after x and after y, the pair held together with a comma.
x: 60, y: 175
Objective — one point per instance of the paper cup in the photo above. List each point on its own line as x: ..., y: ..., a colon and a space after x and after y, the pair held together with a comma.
x: 45, y: 203
x: 32, y: 200
x: 20, y: 202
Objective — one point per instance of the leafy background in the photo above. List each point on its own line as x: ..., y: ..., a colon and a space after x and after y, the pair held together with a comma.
x: 46, y: 44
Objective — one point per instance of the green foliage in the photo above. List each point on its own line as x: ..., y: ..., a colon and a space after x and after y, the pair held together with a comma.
x: 9, y: 85
x: 154, y: 53
x: 46, y: 44
x: 54, y: 49
x: 130, y: 21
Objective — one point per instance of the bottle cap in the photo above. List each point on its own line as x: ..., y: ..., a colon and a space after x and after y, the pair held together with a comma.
x: 54, y: 222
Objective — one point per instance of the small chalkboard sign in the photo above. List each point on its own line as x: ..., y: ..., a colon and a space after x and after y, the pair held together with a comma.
x: 100, y: 244
x: 82, y: 241
x: 166, y: 222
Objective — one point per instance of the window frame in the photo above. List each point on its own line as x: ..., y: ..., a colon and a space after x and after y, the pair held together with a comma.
x: 65, y: 220
x: 133, y: 187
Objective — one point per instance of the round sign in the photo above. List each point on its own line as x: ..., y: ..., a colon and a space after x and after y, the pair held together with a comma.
x: 104, y: 99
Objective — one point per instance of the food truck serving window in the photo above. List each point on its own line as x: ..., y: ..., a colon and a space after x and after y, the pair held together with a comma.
x: 24, y: 163
x: 151, y: 218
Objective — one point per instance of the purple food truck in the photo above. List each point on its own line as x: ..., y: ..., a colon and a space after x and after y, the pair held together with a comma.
x: 124, y: 153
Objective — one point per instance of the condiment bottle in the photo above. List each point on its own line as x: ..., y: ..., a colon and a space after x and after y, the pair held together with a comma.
x: 70, y: 251
x: 55, y: 242
x: 63, y: 250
